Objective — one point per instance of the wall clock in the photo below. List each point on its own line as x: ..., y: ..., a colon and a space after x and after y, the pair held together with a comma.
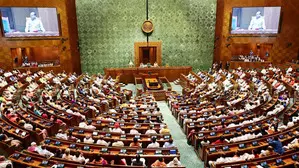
x: 147, y: 26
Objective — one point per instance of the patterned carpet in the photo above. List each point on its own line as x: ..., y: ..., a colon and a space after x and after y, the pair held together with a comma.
x: 188, y: 156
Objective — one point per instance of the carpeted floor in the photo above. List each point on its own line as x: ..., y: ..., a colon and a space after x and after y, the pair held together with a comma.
x: 188, y: 156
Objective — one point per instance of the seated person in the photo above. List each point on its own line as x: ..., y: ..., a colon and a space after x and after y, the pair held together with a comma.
x: 101, y: 141
x: 219, y: 141
x: 58, y: 153
x: 5, y: 163
x: 44, y: 152
x: 61, y: 135
x: 159, y: 163
x: 78, y: 157
x: 118, y: 161
x: 67, y: 154
x: 174, y: 163
x: 134, y: 131
x: 269, y: 151
x: 154, y: 144
x: 165, y: 130
x: 138, y: 161
x: 135, y: 143
x: 5, y: 138
x: 150, y: 131
x: 204, y: 141
x: 292, y: 145
x: 117, y: 129
x: 33, y: 147
x: 99, y: 160
x: 34, y: 24
x: 88, y: 139
x: 118, y: 144
x: 257, y: 22
x: 85, y: 125
x: 169, y: 144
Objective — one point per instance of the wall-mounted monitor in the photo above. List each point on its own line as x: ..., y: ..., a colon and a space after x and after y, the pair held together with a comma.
x: 29, y: 22
x: 255, y: 20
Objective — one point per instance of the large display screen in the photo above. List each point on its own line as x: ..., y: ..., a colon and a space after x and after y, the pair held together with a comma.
x: 29, y: 22
x: 255, y: 20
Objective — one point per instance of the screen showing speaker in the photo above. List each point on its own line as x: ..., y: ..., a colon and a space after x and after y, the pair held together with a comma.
x: 29, y: 22
x: 255, y: 20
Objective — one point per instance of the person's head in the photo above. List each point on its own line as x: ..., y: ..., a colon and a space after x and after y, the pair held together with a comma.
x: 160, y: 159
x: 67, y: 151
x: 32, y: 15
x: 170, y: 140
x: 175, y: 161
x: 58, y: 151
x: 221, y: 138
x: 77, y: 154
x: 276, y: 138
x: 43, y: 147
x: 154, y: 140
x: 222, y: 124
x: 98, y: 157
x: 238, y: 153
x: 270, y: 148
x: 2, y: 137
x: 255, y: 151
x: 88, y: 136
x: 60, y: 131
x: 33, y: 144
x: 116, y: 158
x: 137, y: 158
x: 8, y: 166
x: 258, y: 14
x: 135, y: 140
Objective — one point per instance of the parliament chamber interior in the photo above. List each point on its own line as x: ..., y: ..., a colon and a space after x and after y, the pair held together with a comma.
x: 149, y: 83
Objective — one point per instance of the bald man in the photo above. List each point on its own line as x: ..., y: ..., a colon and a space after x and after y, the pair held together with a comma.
x: 257, y: 22
x: 34, y: 24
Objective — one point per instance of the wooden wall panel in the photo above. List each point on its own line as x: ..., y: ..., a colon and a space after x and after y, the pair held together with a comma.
x: 67, y: 43
x: 285, y: 44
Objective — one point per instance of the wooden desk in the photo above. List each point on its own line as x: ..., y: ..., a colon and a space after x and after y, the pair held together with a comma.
x: 152, y: 83
x: 94, y: 149
x: 127, y: 75
x: 248, y: 65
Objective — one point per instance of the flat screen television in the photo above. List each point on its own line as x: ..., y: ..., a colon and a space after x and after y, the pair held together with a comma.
x: 255, y: 20
x: 29, y: 22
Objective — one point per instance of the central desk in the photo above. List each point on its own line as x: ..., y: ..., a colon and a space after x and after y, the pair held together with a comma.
x: 127, y: 75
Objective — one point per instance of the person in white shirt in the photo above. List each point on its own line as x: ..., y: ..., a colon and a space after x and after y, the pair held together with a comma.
x: 150, y: 131
x: 5, y: 163
x: 118, y: 144
x: 78, y: 157
x: 84, y: 125
x: 257, y: 22
x: 88, y: 139
x: 118, y: 130
x: 45, y: 152
x: 102, y: 142
x: 174, y: 163
x: 154, y: 144
x: 28, y: 126
x: 169, y: 144
x: 61, y: 135
x: 134, y: 131
x: 67, y: 154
